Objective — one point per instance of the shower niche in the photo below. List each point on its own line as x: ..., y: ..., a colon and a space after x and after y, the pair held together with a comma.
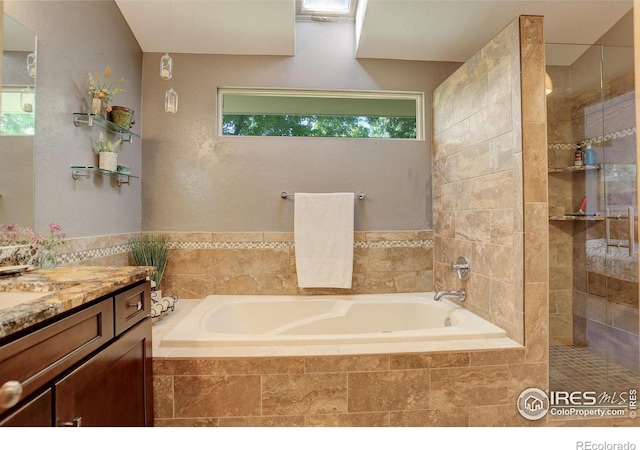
x: 593, y: 240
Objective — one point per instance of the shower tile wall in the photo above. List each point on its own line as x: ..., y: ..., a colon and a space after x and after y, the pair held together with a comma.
x: 490, y: 198
x: 589, y: 305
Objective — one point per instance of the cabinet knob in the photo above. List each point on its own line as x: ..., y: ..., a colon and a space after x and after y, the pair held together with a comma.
x: 10, y: 394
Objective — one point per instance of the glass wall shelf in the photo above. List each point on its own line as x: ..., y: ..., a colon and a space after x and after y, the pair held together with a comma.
x: 577, y: 217
x: 78, y: 172
x: 97, y: 120
x: 573, y: 168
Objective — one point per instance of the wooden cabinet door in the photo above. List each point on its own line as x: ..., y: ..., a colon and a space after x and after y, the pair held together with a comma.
x: 113, y: 388
x: 35, y: 413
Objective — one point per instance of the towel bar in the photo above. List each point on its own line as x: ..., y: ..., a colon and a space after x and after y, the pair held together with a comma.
x: 359, y: 195
x: 607, y: 230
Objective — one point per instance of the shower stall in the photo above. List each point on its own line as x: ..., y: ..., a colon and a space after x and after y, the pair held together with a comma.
x: 593, y: 238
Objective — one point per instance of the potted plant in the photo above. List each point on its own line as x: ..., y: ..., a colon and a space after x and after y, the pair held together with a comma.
x: 107, y: 152
x: 151, y: 250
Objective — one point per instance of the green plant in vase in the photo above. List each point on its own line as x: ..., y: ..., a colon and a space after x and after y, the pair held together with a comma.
x: 107, y: 152
x: 151, y: 250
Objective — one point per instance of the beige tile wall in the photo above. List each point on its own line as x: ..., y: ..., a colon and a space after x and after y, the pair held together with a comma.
x: 492, y: 114
x: 476, y: 388
x: 202, y: 264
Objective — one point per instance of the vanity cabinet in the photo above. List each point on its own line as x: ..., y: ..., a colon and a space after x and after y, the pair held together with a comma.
x: 90, y: 367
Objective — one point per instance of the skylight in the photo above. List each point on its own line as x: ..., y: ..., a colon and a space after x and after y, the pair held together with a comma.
x: 327, y: 7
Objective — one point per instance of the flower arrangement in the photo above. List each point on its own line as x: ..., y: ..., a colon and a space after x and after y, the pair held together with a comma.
x: 103, y: 87
x: 21, y: 245
x: 56, y: 236
x: 13, y: 234
x: 105, y: 145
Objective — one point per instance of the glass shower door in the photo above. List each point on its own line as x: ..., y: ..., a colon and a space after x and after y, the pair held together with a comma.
x: 618, y: 202
x: 593, y: 221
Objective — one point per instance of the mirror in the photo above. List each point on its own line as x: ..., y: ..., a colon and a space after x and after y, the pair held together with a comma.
x: 17, y: 129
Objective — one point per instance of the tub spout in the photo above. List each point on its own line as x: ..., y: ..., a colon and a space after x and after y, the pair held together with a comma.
x: 459, y: 294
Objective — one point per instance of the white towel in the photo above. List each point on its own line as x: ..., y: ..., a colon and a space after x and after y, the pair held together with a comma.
x: 323, y: 233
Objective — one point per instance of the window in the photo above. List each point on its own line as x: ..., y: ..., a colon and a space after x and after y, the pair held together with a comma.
x: 320, y: 113
x: 17, y: 118
x: 326, y: 7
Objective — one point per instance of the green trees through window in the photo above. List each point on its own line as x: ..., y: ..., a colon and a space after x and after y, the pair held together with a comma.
x: 16, y: 120
x: 320, y: 126
x: 320, y: 113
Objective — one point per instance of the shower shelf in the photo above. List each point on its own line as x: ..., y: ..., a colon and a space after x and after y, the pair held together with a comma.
x: 576, y: 218
x: 78, y: 172
x: 573, y: 169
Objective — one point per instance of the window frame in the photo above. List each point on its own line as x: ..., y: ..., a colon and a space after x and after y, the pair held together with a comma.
x: 418, y: 97
x: 17, y: 92
x: 301, y: 11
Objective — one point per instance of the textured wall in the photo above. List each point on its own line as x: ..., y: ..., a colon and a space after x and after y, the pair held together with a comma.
x: 196, y: 181
x: 74, y: 38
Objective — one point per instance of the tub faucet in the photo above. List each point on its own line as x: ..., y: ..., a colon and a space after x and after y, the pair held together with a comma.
x: 459, y: 294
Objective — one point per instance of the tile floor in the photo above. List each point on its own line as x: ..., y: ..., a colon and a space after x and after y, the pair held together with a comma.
x: 573, y: 368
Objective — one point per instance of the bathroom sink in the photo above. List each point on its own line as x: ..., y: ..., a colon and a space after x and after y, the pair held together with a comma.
x: 11, y: 299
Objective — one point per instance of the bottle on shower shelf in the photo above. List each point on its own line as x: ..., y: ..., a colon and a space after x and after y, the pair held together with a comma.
x: 577, y: 156
x: 589, y: 158
x: 583, y: 206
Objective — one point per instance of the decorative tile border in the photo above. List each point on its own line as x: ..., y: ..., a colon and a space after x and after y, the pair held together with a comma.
x: 84, y: 255
x: 289, y: 244
x: 596, y: 140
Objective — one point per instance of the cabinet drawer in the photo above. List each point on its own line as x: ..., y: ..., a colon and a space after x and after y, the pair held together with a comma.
x: 131, y: 306
x: 34, y: 359
x: 36, y: 413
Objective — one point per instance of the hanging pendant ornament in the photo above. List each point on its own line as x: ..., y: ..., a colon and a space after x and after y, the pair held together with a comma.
x: 171, y: 101
x: 166, y: 67
x: 31, y: 65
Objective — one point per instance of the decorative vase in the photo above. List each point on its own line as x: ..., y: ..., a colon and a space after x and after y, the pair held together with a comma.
x: 48, y: 258
x: 18, y: 255
x: 96, y: 105
x: 108, y: 161
x: 122, y: 116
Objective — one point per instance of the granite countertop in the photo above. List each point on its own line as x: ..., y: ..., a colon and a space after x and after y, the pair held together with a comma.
x: 65, y: 288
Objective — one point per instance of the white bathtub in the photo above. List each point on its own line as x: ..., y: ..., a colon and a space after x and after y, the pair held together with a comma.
x: 251, y: 320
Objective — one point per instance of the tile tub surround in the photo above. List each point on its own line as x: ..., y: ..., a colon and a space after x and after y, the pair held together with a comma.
x: 202, y: 264
x: 419, y: 384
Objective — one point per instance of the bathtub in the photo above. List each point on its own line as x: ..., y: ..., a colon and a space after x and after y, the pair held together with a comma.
x: 252, y: 320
